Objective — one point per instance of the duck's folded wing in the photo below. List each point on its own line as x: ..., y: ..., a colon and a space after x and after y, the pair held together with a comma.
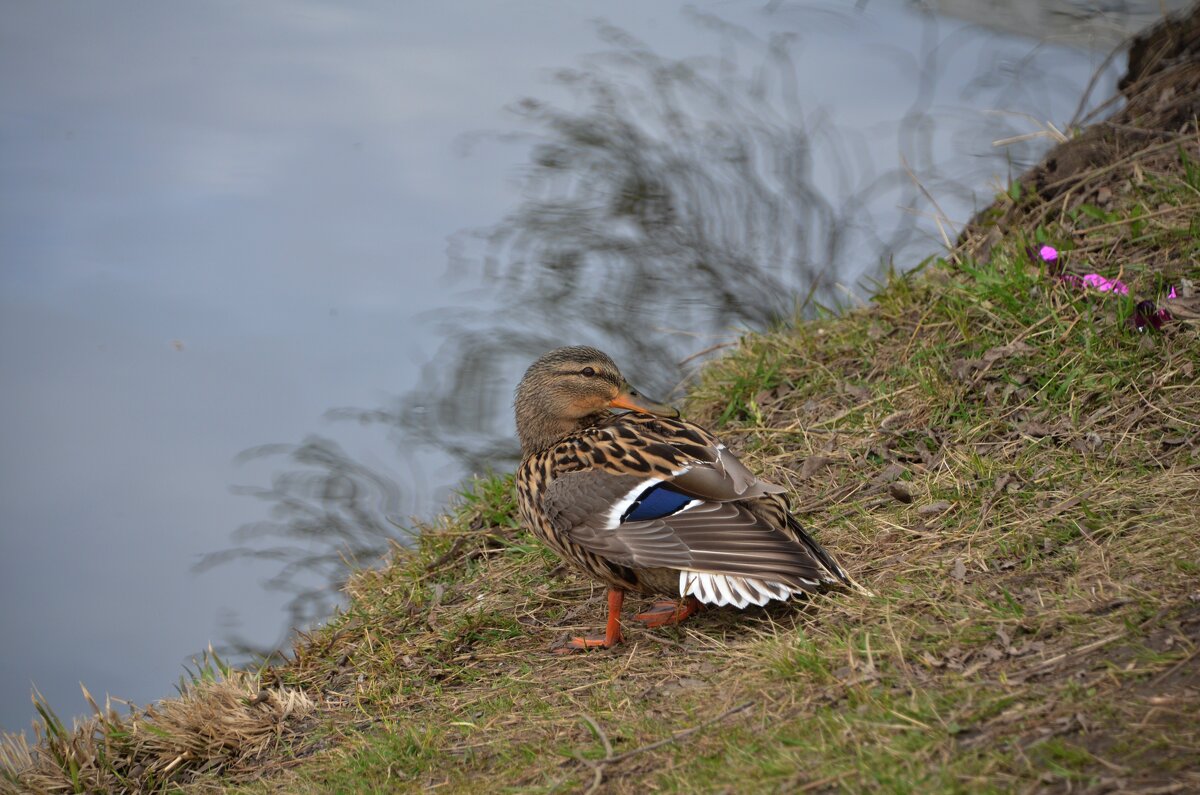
x: 650, y: 523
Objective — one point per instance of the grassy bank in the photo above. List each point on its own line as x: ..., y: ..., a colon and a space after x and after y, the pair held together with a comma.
x: 993, y: 450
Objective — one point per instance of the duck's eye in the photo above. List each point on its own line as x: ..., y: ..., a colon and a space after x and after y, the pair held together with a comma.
x: 587, y: 372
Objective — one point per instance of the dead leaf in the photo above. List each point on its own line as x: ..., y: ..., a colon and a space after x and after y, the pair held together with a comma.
x: 964, y: 369
x: 1005, y: 351
x: 933, y: 508
x: 1037, y: 430
x: 959, y: 570
x: 857, y: 391
x: 812, y: 464
x: 888, y: 474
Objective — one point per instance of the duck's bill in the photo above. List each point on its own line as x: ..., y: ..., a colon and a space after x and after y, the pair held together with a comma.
x: 630, y: 400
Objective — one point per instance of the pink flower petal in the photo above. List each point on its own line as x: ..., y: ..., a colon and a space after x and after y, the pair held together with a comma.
x: 1105, y: 285
x: 1048, y: 253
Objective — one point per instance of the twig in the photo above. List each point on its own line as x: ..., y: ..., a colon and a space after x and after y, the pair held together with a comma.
x: 941, y: 213
x: 707, y: 350
x: 838, y: 497
x: 1131, y: 219
x: 821, y: 782
x: 1045, y: 665
x: 1158, y: 680
x: 448, y: 555
x: 916, y: 330
x: 597, y: 767
x: 798, y: 431
x: 1139, y: 154
x: 683, y: 734
x: 1077, y: 118
x: 611, y: 759
x: 608, y: 751
x: 663, y: 641
x: 863, y: 405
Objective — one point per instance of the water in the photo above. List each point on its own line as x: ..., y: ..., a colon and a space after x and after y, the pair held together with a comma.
x: 219, y: 221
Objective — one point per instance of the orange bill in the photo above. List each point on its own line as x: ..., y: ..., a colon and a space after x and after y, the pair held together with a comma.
x: 628, y: 398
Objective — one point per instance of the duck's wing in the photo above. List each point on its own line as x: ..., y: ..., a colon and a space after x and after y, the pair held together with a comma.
x: 650, y: 500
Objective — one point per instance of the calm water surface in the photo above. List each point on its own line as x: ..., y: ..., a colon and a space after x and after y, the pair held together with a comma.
x: 220, y: 220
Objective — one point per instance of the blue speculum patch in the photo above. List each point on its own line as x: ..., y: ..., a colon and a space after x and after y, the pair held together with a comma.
x: 654, y: 503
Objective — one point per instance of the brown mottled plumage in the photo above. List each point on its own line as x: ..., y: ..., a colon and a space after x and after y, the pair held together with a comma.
x: 646, y: 502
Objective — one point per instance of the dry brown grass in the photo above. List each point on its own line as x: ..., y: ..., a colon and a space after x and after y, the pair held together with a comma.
x: 225, y: 725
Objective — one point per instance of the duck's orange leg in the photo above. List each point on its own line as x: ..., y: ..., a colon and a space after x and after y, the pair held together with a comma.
x: 612, y: 632
x: 669, y: 612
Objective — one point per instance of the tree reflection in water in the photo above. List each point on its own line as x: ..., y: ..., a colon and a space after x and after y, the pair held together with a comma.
x: 328, y: 512
x: 674, y: 204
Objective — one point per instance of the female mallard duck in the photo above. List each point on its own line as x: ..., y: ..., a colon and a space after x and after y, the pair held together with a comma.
x: 646, y: 502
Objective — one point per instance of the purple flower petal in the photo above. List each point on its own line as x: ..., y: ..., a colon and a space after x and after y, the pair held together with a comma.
x: 1147, y: 315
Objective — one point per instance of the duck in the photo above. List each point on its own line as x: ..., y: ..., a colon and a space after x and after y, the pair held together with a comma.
x: 629, y: 493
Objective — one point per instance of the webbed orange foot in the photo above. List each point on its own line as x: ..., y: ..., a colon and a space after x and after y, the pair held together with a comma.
x: 669, y: 612
x: 612, y: 631
x: 588, y: 643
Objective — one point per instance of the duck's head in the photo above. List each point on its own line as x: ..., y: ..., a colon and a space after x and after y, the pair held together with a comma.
x: 571, y: 388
